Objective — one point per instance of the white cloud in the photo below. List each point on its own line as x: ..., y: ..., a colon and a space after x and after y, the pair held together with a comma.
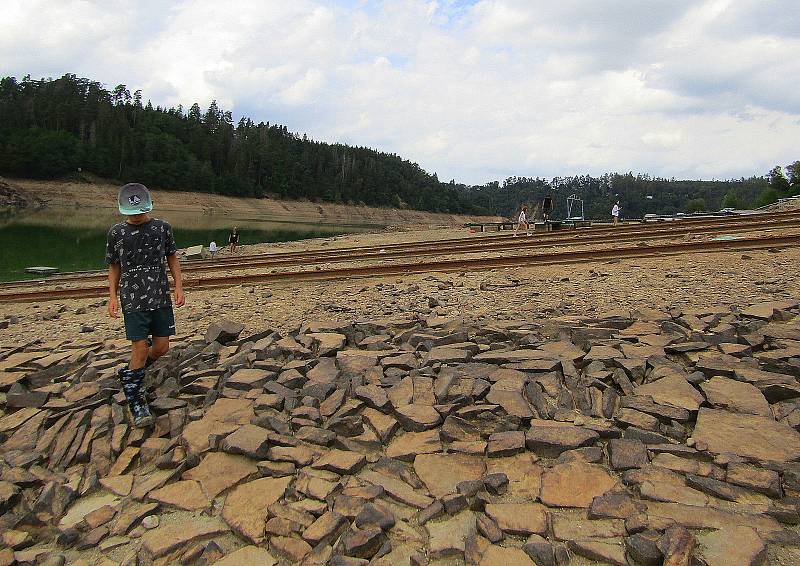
x: 472, y: 90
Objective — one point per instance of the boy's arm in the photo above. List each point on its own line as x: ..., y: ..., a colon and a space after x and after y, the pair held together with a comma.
x: 113, y: 287
x: 175, y: 269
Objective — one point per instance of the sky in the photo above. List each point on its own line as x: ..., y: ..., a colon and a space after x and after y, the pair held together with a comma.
x: 472, y: 90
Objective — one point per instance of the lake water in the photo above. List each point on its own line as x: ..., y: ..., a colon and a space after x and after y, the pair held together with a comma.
x: 74, y: 240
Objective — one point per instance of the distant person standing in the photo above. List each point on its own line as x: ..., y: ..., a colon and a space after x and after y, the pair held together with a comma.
x: 522, y: 220
x: 615, y: 213
x: 233, y: 239
x: 212, y: 247
x: 547, y: 208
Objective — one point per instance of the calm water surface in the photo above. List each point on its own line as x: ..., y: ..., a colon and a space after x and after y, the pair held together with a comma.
x: 74, y: 240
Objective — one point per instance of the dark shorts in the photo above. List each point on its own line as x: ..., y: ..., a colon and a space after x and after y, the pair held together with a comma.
x: 141, y: 324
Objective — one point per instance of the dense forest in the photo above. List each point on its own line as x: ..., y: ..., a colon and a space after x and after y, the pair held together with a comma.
x: 50, y: 128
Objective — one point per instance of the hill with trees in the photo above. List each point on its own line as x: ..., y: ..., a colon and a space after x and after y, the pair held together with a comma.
x: 52, y: 127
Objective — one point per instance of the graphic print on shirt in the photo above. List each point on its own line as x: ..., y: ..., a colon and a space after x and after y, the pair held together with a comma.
x: 140, y: 251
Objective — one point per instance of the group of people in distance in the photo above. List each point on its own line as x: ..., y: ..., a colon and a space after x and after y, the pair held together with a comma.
x: 233, y: 241
x: 523, y: 222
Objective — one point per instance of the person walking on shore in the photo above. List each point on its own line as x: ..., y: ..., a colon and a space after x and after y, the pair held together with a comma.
x: 136, y: 251
x: 615, y: 213
x: 522, y: 220
x: 233, y: 239
x: 212, y: 247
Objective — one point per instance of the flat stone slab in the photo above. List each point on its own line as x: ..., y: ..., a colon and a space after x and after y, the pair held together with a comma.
x: 672, y: 390
x: 442, y: 472
x: 245, y: 508
x: 519, y: 518
x: 247, y: 556
x: 176, y: 534
x: 186, y: 494
x: 219, y: 471
x: 736, y: 396
x: 575, y: 484
x: 732, y: 545
x: 447, y: 537
x: 505, y: 556
x: 396, y: 489
x: 749, y: 436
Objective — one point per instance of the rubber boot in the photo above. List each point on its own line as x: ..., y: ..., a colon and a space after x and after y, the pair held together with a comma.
x: 133, y: 387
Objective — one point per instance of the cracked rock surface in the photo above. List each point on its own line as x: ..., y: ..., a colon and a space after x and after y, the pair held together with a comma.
x: 635, y: 437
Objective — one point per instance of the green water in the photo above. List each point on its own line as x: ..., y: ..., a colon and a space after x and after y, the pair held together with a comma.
x: 78, y: 244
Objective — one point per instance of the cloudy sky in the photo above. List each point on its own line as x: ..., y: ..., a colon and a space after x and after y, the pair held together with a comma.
x: 471, y: 90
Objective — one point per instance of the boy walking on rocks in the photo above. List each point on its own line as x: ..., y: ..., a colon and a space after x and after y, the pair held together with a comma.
x: 135, y: 253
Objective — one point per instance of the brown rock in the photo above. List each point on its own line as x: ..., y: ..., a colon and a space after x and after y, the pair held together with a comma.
x: 298, y: 455
x: 186, y: 494
x: 250, y: 440
x: 571, y: 528
x: 608, y: 552
x: 447, y: 537
x: 736, y: 396
x: 505, y: 443
x: 733, y: 545
x: 247, y: 556
x: 396, y: 489
x: 407, y: 446
x: 130, y: 516
x: 362, y: 543
x: 677, y: 545
x: 442, y: 472
x: 750, y: 436
x: 505, y: 556
x: 626, y: 454
x: 757, y: 479
x: 292, y: 549
x: 674, y: 390
x: 489, y: 529
x: 552, y: 439
x: 575, y: 484
x: 340, y: 462
x: 120, y: 485
x: 417, y: 418
x: 246, y: 506
x: 383, y: 425
x: 174, y: 535
x: 325, y: 529
x: 523, y: 473
x: 519, y: 518
x: 219, y: 471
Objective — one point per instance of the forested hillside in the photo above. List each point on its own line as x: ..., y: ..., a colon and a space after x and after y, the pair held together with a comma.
x: 50, y: 128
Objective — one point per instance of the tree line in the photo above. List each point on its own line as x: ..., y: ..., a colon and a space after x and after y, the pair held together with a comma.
x: 50, y: 128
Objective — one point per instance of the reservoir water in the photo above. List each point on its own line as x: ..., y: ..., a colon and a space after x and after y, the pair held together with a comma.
x: 74, y: 239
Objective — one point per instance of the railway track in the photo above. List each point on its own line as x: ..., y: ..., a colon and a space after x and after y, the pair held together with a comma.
x: 485, y: 244
x: 463, y: 264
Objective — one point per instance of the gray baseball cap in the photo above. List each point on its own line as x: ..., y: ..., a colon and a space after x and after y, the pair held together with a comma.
x: 134, y: 198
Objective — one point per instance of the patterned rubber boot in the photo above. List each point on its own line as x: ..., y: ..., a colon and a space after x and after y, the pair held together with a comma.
x: 133, y: 387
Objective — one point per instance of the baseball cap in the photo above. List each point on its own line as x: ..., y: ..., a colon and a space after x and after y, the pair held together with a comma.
x: 134, y: 198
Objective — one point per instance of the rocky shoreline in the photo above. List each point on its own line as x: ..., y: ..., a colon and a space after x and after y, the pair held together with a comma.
x: 639, y: 437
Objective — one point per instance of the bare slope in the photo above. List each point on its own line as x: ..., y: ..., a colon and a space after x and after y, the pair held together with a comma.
x: 102, y: 194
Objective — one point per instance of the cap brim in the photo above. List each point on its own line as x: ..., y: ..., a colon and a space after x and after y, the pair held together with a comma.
x: 135, y: 210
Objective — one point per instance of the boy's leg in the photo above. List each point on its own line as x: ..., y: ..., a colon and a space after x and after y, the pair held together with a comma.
x: 159, y: 348
x: 138, y: 354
